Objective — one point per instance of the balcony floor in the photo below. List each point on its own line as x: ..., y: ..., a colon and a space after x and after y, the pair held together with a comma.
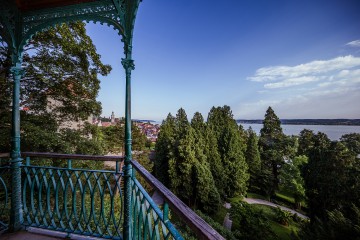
x: 41, y: 234
x: 24, y: 235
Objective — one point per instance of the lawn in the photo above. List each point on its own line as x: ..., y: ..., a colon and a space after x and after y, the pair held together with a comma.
x: 248, y: 195
x: 282, y: 232
x: 235, y: 199
x: 255, y: 195
x: 286, y: 197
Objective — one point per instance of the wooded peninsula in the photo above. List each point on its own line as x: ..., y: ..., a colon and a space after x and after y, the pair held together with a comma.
x: 349, y: 122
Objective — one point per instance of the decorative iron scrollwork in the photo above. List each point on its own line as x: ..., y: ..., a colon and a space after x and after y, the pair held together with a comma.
x: 128, y: 63
x: 17, y: 28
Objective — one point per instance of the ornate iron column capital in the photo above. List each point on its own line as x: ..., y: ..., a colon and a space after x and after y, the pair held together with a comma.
x: 128, y: 63
x: 17, y: 71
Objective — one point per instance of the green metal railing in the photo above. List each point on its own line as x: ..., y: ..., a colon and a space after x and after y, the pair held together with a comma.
x: 149, y: 222
x: 71, y: 200
x: 4, y: 197
x: 88, y: 202
x: 200, y: 228
x: 91, y: 202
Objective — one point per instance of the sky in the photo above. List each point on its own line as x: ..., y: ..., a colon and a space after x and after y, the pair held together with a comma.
x: 302, y: 58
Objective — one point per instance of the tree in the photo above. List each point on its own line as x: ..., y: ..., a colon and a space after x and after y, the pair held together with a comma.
x: 143, y: 158
x: 182, y: 162
x: 252, y: 157
x: 332, y: 183
x: 272, y: 151
x: 291, y: 178
x: 306, y: 142
x: 214, y: 159
x: 210, y: 150
x: 198, y: 124
x: 352, y: 142
x: 231, y: 149
x: 138, y: 138
x: 338, y: 226
x: 249, y: 223
x: 189, y: 171
x: 331, y: 179
x: 113, y: 138
x: 164, y: 149
x: 64, y: 69
x: 60, y: 84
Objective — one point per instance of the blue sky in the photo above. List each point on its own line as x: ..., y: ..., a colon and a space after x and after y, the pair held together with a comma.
x: 300, y: 57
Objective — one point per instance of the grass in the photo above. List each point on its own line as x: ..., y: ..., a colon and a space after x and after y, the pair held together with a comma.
x: 248, y: 195
x: 282, y: 232
x: 267, y: 210
x: 287, y: 198
x: 235, y: 199
x: 255, y: 195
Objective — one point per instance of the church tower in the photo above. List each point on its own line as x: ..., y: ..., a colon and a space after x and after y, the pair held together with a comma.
x: 112, y: 118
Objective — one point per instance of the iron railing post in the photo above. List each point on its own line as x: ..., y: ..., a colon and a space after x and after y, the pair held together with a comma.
x: 16, y: 214
x: 128, y: 65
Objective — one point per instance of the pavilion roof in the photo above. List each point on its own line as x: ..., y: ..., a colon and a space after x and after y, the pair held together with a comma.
x: 30, y: 5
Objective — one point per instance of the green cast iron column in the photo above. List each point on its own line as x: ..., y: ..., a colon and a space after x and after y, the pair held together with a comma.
x: 128, y: 65
x: 16, y: 215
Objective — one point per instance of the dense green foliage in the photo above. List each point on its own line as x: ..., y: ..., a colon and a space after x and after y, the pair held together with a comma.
x: 248, y: 223
x: 64, y: 68
x: 59, y: 89
x: 292, y: 180
x: 336, y: 226
x: 332, y: 186
x: 352, y: 142
x: 180, y: 152
x: 164, y: 149
x: 60, y: 86
x: 196, y: 157
x: 231, y: 148
x: 201, y: 161
x: 252, y: 156
x: 273, y: 147
x: 227, y: 234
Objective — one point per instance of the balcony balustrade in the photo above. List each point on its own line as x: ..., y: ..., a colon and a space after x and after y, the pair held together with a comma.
x: 61, y: 193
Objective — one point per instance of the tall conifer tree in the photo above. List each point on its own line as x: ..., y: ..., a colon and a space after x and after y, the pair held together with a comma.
x: 164, y: 149
x: 205, y: 173
x: 189, y: 171
x: 231, y: 148
x: 252, y: 157
x: 272, y: 151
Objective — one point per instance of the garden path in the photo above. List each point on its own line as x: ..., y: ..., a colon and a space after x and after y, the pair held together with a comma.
x: 264, y: 202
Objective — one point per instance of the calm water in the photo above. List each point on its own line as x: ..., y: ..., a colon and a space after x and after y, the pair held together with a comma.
x: 333, y: 132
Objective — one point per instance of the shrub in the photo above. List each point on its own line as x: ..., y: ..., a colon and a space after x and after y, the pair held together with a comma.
x: 283, y: 217
x: 248, y: 223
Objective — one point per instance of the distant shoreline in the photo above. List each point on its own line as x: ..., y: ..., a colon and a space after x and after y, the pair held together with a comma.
x: 141, y: 120
x: 339, y: 122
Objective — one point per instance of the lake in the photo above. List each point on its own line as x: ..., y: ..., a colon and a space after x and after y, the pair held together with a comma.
x: 334, y: 132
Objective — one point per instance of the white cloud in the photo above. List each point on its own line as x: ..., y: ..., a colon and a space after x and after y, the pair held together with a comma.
x: 329, y: 89
x: 355, y: 43
x: 319, y: 70
x: 340, y: 102
x: 292, y: 82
